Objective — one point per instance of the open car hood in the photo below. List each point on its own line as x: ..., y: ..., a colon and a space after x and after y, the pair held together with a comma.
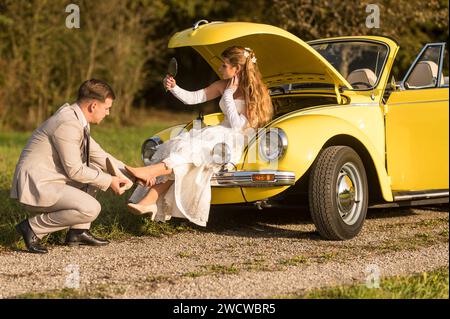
x: 281, y: 56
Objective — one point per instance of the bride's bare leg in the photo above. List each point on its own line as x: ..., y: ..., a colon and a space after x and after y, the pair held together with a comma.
x: 146, y: 172
x: 155, y: 192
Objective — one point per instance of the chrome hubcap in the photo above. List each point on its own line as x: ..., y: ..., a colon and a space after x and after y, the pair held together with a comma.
x: 349, y: 193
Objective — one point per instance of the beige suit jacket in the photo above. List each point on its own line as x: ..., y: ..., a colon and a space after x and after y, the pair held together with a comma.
x: 52, y: 158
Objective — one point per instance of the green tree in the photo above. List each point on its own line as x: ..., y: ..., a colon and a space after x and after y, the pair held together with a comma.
x: 412, y: 23
x: 125, y: 42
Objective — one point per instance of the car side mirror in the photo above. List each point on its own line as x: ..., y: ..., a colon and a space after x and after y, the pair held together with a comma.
x: 394, y: 85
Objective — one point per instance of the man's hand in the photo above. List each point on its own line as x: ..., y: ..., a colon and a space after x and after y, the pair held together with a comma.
x: 128, y: 183
x: 117, y: 185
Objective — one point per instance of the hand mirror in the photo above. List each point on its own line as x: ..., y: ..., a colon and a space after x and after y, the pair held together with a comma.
x: 172, y: 69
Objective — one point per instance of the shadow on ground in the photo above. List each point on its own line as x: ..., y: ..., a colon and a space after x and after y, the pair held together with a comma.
x: 266, y: 223
x: 115, y: 222
x: 274, y: 222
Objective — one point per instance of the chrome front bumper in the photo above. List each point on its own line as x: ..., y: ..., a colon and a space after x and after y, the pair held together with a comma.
x: 253, y: 179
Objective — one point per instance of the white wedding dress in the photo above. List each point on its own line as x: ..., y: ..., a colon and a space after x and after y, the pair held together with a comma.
x: 190, y: 156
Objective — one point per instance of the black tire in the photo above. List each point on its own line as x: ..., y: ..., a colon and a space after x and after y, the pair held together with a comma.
x: 338, y: 218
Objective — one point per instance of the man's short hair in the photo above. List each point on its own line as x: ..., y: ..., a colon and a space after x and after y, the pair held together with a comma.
x: 95, y: 89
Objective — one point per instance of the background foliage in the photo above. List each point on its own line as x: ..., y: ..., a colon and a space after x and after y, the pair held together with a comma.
x: 124, y: 42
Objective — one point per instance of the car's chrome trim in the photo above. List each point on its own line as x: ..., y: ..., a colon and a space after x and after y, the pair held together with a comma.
x: 364, y: 104
x: 197, y: 24
x: 245, y: 179
x: 417, y: 102
x: 405, y: 203
x: 349, y: 193
x: 441, y: 65
x: 415, y: 195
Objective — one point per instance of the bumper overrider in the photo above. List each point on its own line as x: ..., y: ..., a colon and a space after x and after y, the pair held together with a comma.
x: 268, y: 178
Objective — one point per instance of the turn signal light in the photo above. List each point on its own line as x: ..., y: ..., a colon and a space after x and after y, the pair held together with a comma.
x: 263, y: 177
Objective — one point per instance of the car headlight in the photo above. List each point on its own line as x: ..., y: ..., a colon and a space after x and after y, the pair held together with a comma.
x: 149, y: 147
x: 273, y: 144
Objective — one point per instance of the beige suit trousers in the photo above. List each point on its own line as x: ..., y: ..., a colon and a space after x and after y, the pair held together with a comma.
x: 75, y: 209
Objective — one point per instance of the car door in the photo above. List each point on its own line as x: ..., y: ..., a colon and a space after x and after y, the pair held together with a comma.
x: 417, y: 130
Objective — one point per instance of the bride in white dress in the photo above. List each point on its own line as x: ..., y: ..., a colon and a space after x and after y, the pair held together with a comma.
x: 182, y: 167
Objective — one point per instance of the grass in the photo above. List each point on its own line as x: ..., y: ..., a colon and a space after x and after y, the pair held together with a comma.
x: 194, y: 274
x: 421, y: 239
x: 444, y: 233
x: 258, y: 264
x: 221, y: 269
x: 294, y: 261
x: 429, y: 223
x: 325, y: 257
x: 185, y: 254
x: 92, y: 292
x: 213, y: 270
x: 65, y: 293
x: 426, y: 285
x: 114, y: 222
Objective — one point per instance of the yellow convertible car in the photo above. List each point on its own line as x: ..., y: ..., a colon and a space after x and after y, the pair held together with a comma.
x: 348, y: 137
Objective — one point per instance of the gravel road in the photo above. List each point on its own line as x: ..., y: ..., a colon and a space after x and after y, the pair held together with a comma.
x: 242, y: 254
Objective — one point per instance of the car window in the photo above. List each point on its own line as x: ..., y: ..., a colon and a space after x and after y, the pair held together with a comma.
x: 360, y: 62
x: 424, y: 73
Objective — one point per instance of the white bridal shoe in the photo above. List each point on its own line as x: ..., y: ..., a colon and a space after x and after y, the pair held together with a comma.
x: 114, y: 171
x: 138, y: 209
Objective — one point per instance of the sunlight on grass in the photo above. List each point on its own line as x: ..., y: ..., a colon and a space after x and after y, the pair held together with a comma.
x: 427, y: 285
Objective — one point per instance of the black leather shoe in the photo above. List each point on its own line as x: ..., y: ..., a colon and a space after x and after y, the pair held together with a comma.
x: 76, y: 237
x: 29, y: 237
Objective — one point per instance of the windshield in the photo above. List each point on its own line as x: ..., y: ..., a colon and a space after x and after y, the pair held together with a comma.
x: 359, y: 62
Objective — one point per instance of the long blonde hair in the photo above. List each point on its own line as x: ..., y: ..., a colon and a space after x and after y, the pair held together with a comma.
x: 256, y: 95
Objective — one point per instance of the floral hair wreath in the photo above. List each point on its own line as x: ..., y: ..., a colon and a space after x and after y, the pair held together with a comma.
x: 247, y: 54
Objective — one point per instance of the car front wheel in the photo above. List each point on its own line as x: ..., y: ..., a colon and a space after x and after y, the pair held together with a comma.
x: 338, y: 193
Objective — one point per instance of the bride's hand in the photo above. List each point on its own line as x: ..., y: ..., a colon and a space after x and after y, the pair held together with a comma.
x: 149, y: 181
x: 169, y: 82
x: 233, y: 83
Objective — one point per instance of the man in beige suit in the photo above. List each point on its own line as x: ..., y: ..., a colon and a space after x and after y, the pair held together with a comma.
x: 60, y: 168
